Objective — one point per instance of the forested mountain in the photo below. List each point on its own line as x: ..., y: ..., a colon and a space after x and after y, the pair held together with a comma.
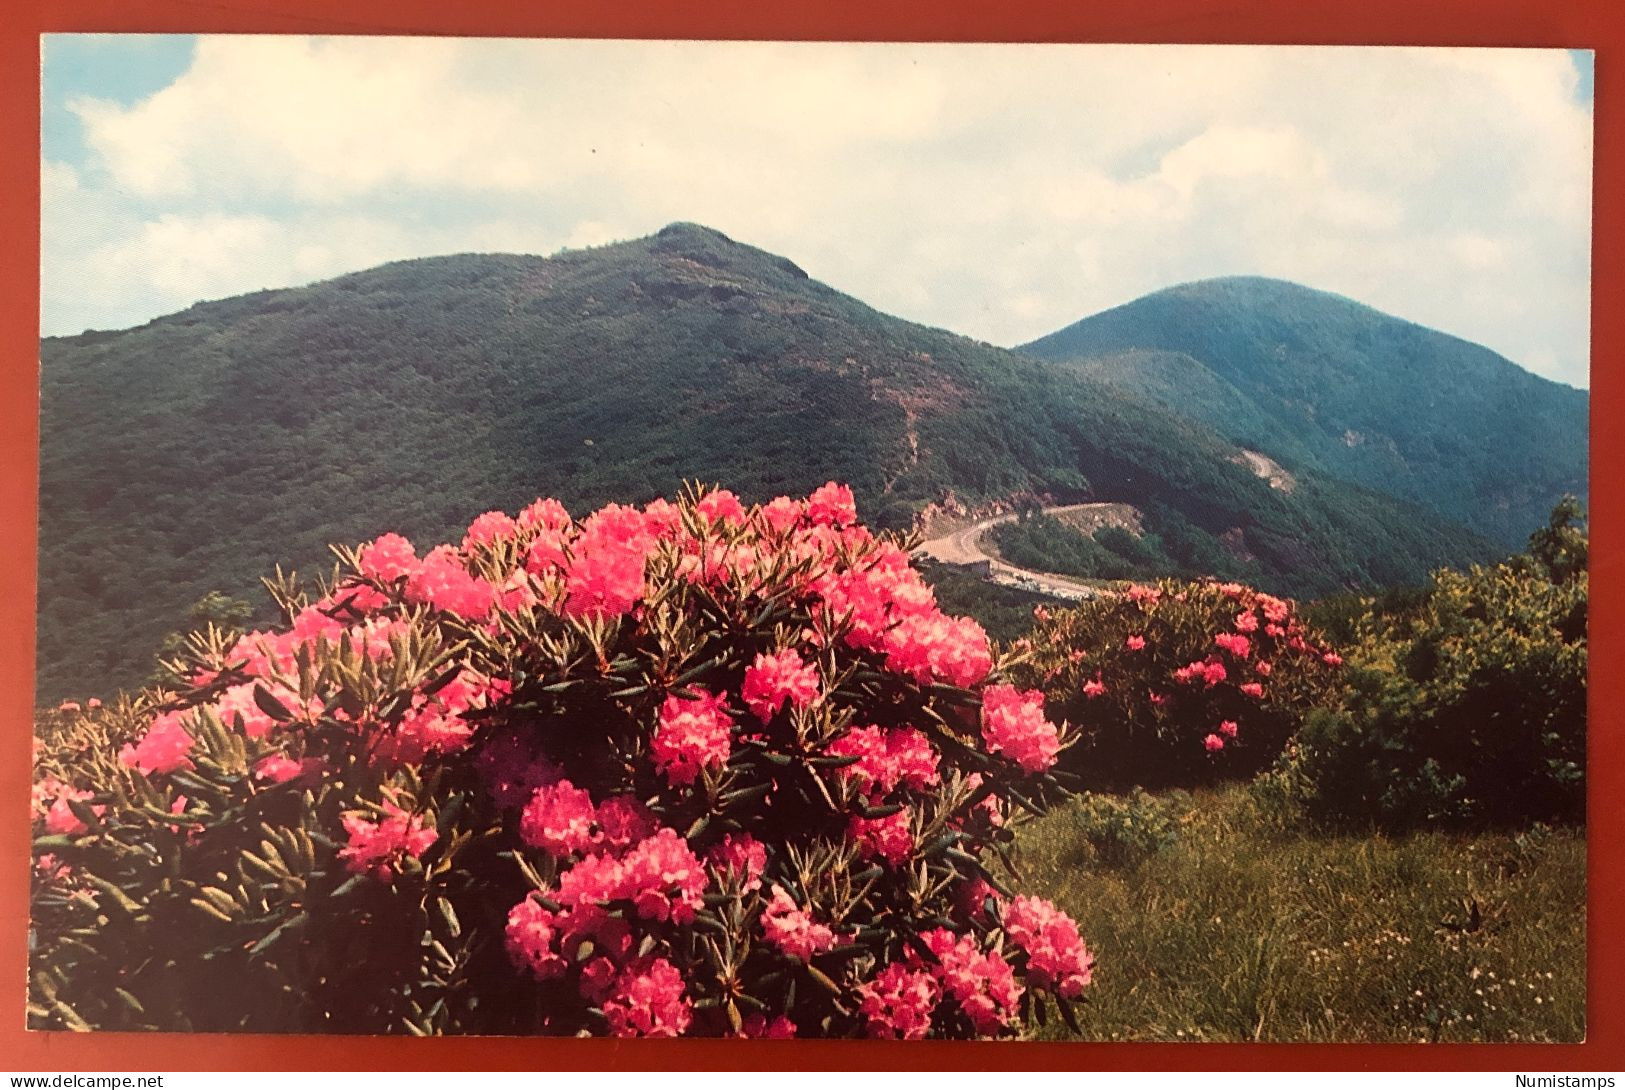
x: 199, y: 450
x: 1318, y: 381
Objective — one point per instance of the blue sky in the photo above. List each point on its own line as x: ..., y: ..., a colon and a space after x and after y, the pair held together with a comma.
x: 999, y: 191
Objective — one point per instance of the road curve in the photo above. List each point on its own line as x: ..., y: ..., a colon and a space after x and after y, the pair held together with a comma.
x: 964, y: 547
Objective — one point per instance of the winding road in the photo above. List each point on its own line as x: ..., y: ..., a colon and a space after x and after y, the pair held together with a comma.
x: 964, y: 547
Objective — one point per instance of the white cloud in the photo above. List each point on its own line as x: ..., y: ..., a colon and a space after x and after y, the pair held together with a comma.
x: 1001, y: 191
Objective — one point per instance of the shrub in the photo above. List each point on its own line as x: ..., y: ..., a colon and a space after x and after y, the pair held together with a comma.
x: 685, y: 769
x: 1178, y: 683
x: 1469, y: 708
x: 1126, y: 830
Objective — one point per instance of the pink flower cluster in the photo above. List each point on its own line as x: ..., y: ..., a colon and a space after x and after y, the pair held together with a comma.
x: 1211, y: 672
x: 606, y: 572
x: 561, y: 820
x: 660, y: 876
x: 982, y: 983
x: 773, y: 679
x: 897, y: 1004
x: 792, y: 930
x: 1056, y: 956
x: 691, y: 735
x: 888, y: 838
x: 647, y: 999
x: 163, y: 748
x: 378, y: 847
x: 741, y: 858
x: 1235, y: 643
x: 51, y: 798
x: 887, y: 758
x: 1013, y: 724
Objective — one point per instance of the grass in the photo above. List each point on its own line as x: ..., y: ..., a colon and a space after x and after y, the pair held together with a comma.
x: 1248, y: 926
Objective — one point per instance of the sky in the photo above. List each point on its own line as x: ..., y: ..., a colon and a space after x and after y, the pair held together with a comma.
x: 1000, y: 191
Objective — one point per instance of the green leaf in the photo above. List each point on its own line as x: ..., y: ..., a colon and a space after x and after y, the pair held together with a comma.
x: 270, y: 705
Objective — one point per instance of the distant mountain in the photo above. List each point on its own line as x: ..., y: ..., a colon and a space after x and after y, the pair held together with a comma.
x: 197, y: 451
x: 1318, y: 381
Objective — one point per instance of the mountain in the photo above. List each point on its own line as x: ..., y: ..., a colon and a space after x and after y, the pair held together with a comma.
x: 1317, y: 381
x: 197, y: 451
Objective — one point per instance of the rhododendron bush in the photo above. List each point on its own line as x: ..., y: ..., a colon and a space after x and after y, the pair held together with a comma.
x: 1178, y: 683
x: 690, y: 768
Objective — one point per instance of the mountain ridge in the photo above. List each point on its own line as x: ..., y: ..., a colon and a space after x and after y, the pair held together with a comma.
x: 195, y: 452
x: 1350, y: 391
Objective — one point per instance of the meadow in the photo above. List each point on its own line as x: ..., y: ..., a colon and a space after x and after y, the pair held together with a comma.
x: 1234, y: 919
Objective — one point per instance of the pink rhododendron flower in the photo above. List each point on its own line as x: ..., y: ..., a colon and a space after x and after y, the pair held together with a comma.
x: 1247, y: 621
x: 1056, y: 956
x: 691, y: 735
x: 377, y: 847
x: 1236, y: 644
x: 544, y: 515
x: 278, y: 768
x: 162, y: 749
x: 69, y: 706
x: 1135, y: 643
x: 790, y: 928
x: 897, y: 1003
x: 743, y: 856
x: 1094, y: 688
x: 532, y: 940
x: 50, y: 868
x: 1213, y: 743
x: 782, y: 515
x: 238, y: 709
x: 488, y: 529
x: 443, y: 582
x: 560, y: 819
x: 1263, y: 667
x: 982, y: 983
x: 887, y: 838
x: 1228, y: 728
x: 934, y: 647
x: 721, y: 506
x: 647, y: 1000
x: 1252, y: 689
x: 1013, y: 724
x: 660, y: 876
x: 832, y: 505
x: 387, y: 559
x: 1142, y: 595
x: 1332, y: 658
x: 623, y: 822
x: 773, y: 679
x: 606, y: 573
x: 886, y: 758
x: 971, y: 897
x: 93, y: 703
x: 60, y: 820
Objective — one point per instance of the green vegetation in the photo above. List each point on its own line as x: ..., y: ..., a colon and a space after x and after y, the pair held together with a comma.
x: 1240, y: 928
x: 197, y: 451
x: 1005, y: 612
x: 1040, y: 542
x: 1317, y: 381
x: 1470, y: 705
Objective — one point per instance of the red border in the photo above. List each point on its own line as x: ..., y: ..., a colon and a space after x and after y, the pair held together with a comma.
x: 1567, y: 23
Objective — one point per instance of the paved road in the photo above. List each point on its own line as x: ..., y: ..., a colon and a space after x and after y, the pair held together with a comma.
x: 964, y: 547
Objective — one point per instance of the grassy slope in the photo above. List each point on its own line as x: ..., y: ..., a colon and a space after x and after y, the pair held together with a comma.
x: 196, y: 452
x: 1314, y: 379
x: 1245, y: 930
